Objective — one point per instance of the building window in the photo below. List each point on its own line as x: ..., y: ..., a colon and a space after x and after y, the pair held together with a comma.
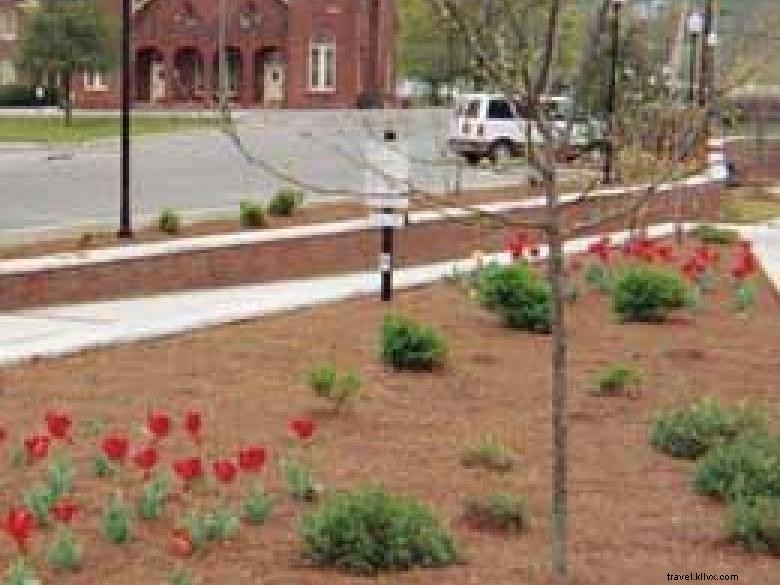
x: 8, y: 25
x: 322, y: 65
x: 94, y: 81
x: 7, y: 72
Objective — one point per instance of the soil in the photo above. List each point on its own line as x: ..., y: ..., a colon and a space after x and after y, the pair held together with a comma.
x: 634, y: 514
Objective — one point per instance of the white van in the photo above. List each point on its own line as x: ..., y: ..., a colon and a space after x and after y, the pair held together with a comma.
x: 486, y: 125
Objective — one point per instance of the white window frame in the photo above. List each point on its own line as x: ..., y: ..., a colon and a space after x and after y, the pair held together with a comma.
x: 94, y: 81
x: 9, y: 24
x: 322, y: 65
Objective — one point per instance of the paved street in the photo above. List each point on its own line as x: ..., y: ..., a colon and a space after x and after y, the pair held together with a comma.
x: 43, y: 188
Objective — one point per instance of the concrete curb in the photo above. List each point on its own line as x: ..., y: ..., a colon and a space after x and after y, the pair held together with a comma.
x: 200, y: 243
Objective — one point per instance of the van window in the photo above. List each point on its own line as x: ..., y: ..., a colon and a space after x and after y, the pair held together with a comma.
x: 499, y: 110
x: 473, y: 108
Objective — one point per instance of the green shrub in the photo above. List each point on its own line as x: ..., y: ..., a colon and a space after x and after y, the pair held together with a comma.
x: 251, y: 215
x: 689, y: 432
x: 756, y: 524
x: 300, y: 483
x: 169, y: 222
x: 647, y: 293
x: 117, y: 522
x: 154, y: 495
x: 65, y: 552
x: 256, y: 507
x: 499, y: 511
x: 368, y: 530
x: 407, y: 345
x: 489, y: 453
x: 327, y: 382
x: 744, y: 469
x: 518, y: 294
x: 616, y: 380
x: 285, y: 202
x: 710, y: 234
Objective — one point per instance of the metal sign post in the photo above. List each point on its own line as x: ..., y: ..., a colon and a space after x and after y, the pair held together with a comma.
x: 386, y: 178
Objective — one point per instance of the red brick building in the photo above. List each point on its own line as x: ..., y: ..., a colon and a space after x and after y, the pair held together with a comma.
x: 280, y: 53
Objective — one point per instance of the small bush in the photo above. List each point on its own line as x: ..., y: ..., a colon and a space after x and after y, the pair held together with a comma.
x: 757, y: 524
x: 489, y: 453
x: 154, y: 495
x: 745, y: 469
x: 710, y: 234
x: 285, y: 202
x: 689, y: 432
x: 169, y: 222
x: 251, y: 215
x: 407, y: 345
x: 117, y: 522
x: 327, y: 382
x: 300, y: 482
x: 65, y: 552
x: 368, y: 530
x: 256, y: 507
x: 518, y: 294
x: 616, y: 380
x: 39, y: 499
x: 500, y: 511
x: 647, y: 293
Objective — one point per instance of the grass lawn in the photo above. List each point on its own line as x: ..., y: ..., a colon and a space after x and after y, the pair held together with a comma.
x: 53, y: 129
x: 750, y: 205
x: 634, y: 514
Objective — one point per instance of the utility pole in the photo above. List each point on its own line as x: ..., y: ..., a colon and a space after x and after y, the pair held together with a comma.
x: 609, y: 158
x: 125, y: 225
x: 224, y: 105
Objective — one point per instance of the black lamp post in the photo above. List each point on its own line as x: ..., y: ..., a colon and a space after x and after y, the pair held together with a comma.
x: 695, y: 29
x: 609, y: 159
x: 125, y: 225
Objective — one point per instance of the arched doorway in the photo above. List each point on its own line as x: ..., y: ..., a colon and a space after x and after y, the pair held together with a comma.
x: 270, y: 79
x: 235, y: 68
x: 188, y: 79
x: 150, y: 76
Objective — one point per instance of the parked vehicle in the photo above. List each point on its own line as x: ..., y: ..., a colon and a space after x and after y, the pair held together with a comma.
x: 489, y: 125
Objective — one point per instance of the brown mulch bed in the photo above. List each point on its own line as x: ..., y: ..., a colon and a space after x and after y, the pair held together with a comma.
x: 634, y: 515
x: 300, y: 258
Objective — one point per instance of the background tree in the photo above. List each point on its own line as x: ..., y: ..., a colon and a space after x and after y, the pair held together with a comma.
x: 64, y: 38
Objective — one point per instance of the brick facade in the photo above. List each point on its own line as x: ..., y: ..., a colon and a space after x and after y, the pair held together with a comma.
x: 272, y: 46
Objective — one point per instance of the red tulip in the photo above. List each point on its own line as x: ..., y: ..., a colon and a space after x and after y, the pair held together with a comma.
x: 188, y: 469
x: 193, y: 421
x: 64, y: 510
x: 159, y: 425
x: 181, y: 544
x: 116, y: 447
x: 37, y: 447
x: 601, y: 248
x: 59, y: 425
x: 516, y: 244
x: 19, y: 524
x: 225, y: 470
x: 252, y: 459
x: 303, y: 428
x: 146, y: 459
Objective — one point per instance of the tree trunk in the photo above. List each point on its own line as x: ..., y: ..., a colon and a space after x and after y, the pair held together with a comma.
x: 558, y: 371
x: 67, y: 106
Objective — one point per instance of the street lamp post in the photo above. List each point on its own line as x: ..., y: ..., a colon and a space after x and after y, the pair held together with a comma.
x: 609, y: 159
x: 695, y: 29
x: 125, y: 224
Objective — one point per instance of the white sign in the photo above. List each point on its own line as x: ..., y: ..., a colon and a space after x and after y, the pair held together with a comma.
x: 392, y: 220
x: 387, y: 169
x: 388, y: 202
x: 385, y: 263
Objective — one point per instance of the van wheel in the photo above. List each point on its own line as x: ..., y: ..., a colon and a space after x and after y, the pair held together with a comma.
x: 472, y: 159
x: 501, y: 153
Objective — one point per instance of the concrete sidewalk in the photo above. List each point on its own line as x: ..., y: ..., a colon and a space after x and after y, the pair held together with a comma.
x: 63, y: 330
